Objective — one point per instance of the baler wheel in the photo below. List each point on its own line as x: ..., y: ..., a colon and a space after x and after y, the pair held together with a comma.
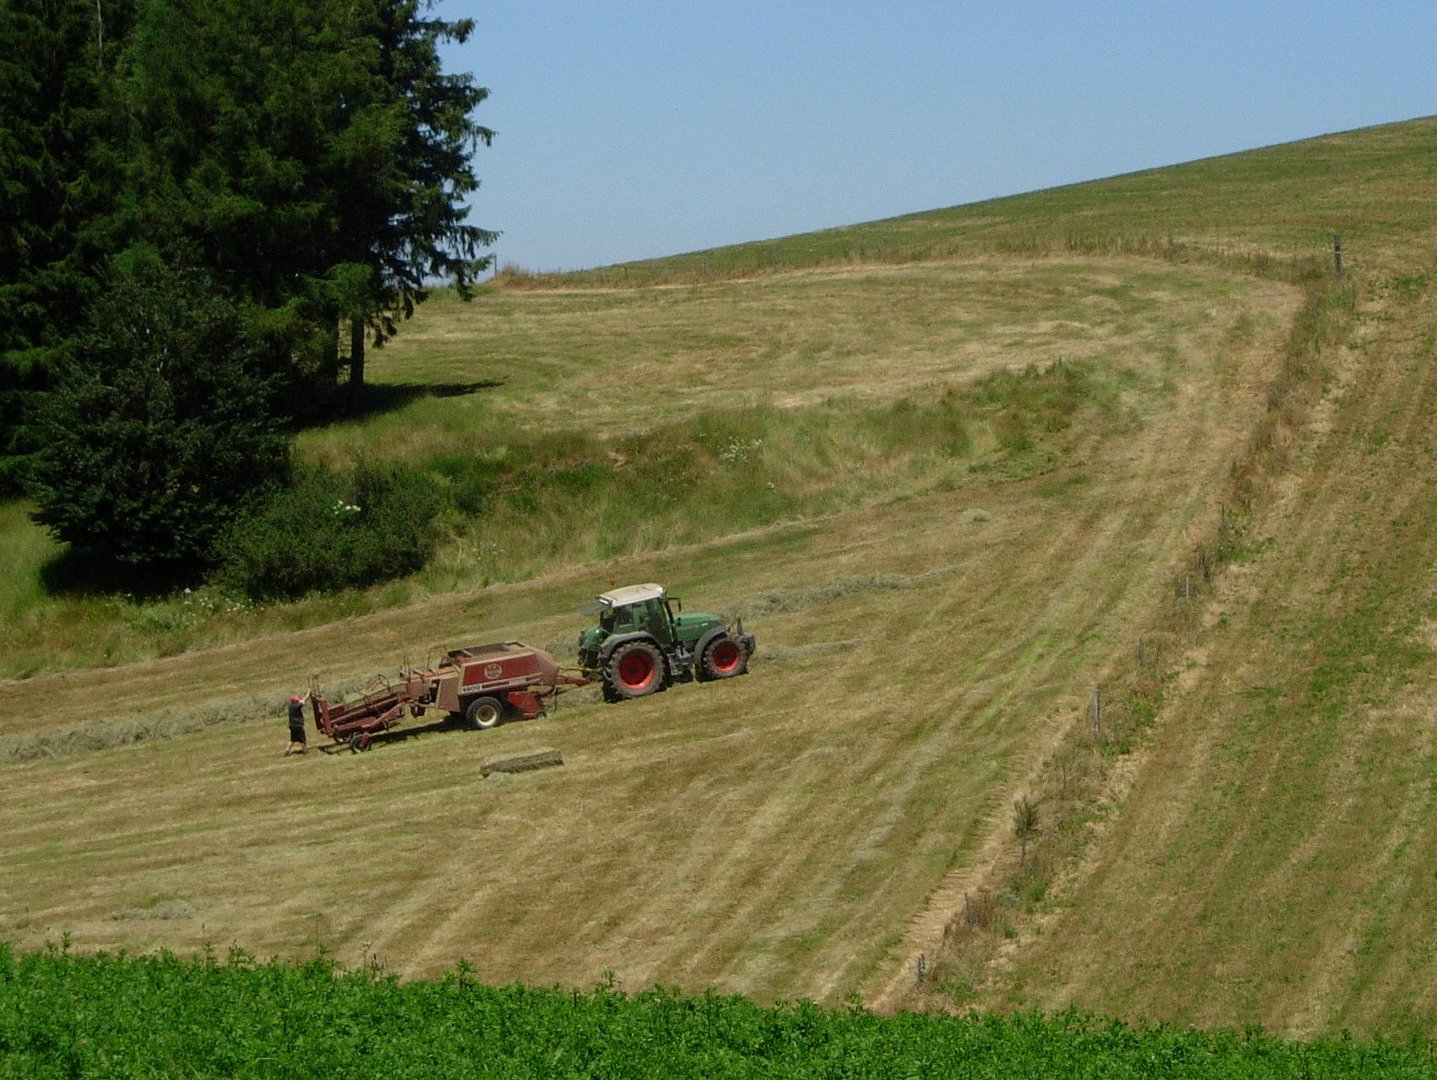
x: 484, y: 713
x: 635, y: 670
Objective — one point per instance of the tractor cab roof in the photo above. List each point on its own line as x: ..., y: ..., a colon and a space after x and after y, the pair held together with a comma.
x: 631, y: 594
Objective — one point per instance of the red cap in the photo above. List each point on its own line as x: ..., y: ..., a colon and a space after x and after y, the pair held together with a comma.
x: 293, y: 697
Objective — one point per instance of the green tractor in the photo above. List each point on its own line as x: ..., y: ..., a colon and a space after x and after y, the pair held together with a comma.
x: 643, y: 645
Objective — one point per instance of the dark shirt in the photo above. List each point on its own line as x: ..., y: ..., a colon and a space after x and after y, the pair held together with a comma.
x: 296, y: 714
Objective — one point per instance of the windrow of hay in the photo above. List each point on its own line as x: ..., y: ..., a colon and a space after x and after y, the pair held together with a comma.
x: 789, y: 601
x: 89, y: 736
x: 99, y: 734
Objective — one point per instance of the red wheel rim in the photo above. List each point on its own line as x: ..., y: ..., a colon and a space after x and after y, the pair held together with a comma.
x: 725, y: 657
x: 636, y: 670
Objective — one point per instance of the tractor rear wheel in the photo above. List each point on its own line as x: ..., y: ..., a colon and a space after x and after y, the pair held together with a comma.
x: 635, y: 670
x: 484, y: 712
x: 723, y: 658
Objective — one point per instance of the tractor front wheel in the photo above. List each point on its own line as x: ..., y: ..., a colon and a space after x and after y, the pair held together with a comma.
x: 484, y: 713
x: 723, y: 658
x: 635, y: 670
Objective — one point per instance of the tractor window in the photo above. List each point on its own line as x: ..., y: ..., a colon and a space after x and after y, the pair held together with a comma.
x: 650, y: 616
x: 657, y: 620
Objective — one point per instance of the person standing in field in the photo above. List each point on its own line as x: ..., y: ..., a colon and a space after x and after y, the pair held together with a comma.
x: 296, y: 724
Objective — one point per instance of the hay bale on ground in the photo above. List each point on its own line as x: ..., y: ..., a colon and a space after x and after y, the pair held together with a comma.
x: 523, y: 762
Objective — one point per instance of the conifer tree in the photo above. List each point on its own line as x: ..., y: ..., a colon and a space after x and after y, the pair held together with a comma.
x: 314, y: 157
x: 158, y: 434
x: 58, y: 180
x: 404, y: 222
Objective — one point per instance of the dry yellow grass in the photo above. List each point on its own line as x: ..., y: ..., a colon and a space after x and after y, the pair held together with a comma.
x: 775, y: 835
x: 811, y: 349
x: 615, y: 361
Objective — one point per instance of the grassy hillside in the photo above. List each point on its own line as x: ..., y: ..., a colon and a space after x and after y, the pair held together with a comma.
x: 957, y: 471
x: 581, y: 425
x: 1257, y: 210
x: 1276, y: 847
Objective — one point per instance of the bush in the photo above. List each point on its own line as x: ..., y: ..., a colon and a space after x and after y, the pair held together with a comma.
x: 330, y: 531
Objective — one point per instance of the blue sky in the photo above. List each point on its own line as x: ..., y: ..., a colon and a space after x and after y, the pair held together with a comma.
x: 629, y: 130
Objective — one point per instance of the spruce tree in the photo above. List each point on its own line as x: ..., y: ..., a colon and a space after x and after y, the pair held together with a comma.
x: 404, y: 223
x: 314, y: 157
x: 159, y: 435
x: 59, y: 176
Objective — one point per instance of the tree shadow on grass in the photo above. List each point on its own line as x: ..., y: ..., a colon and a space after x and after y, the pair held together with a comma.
x: 77, y: 573
x: 375, y: 400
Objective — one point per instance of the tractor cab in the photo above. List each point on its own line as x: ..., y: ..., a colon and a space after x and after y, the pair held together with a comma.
x: 638, y: 609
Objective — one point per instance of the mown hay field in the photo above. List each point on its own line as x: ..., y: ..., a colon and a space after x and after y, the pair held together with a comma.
x: 1142, y: 359
x: 773, y: 835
